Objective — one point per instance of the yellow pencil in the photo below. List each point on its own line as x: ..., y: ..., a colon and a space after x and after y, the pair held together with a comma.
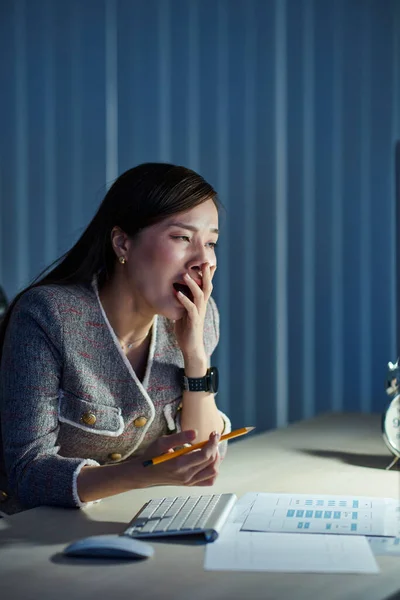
x: 159, y: 459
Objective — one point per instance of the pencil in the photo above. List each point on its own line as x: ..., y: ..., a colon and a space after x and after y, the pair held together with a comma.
x: 228, y: 436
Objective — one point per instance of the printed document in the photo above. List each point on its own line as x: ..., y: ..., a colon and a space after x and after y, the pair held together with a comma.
x: 388, y: 545
x: 237, y: 550
x: 308, y: 513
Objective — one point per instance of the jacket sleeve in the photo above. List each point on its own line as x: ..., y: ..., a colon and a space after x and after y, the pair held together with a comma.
x: 30, y: 375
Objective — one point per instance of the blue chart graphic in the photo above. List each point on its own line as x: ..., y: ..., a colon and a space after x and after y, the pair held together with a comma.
x: 319, y: 514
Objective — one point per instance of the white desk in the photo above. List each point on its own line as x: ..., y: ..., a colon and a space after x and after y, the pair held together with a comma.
x: 332, y: 454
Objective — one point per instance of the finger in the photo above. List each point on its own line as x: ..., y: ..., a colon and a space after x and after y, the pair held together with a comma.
x: 199, y: 472
x: 191, y: 308
x: 194, y: 461
x: 198, y: 458
x: 196, y: 290
x: 207, y: 281
x: 211, y: 448
x: 167, y: 442
x: 206, y: 483
x: 207, y: 475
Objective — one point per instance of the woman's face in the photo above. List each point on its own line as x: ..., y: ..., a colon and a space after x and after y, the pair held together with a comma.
x: 161, y: 254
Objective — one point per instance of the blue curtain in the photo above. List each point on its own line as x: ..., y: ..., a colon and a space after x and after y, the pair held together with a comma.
x: 289, y: 107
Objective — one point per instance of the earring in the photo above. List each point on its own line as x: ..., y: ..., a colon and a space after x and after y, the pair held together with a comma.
x: 122, y: 260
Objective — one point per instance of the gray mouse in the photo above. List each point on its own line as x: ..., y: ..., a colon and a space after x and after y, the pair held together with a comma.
x: 110, y: 546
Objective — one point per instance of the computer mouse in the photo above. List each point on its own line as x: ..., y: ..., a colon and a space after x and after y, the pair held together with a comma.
x: 110, y: 546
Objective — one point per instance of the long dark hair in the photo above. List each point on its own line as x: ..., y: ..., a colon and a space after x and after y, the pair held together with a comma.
x: 140, y: 197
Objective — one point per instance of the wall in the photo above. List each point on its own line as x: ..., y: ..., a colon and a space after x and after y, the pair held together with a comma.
x: 290, y: 108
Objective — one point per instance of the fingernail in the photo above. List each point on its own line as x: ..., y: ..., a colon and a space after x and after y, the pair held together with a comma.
x: 187, y: 276
x: 216, y: 435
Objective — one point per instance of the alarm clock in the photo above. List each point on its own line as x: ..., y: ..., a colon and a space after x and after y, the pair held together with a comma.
x: 391, y: 416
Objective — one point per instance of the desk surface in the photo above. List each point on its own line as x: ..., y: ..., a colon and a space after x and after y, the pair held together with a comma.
x: 331, y: 454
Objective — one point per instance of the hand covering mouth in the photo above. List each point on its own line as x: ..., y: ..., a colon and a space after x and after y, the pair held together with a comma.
x: 182, y: 287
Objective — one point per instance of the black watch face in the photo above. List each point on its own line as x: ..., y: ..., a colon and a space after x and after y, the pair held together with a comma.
x: 214, y: 379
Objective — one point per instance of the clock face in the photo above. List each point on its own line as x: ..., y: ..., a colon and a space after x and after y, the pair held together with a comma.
x: 391, y: 426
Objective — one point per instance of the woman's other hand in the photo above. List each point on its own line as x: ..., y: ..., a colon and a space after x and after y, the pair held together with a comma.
x: 197, y: 468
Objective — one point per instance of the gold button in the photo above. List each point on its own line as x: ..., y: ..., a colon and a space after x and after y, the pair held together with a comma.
x: 89, y: 418
x: 115, y: 456
x: 3, y: 496
x: 140, y: 422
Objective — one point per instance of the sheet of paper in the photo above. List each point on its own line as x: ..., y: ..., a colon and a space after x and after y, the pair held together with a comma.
x: 298, y: 513
x: 384, y: 545
x: 237, y: 550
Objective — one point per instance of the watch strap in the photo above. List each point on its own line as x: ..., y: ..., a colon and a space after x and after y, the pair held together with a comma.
x: 195, y: 384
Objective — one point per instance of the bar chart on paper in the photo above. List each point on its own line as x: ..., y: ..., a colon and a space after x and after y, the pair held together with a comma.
x: 295, y: 513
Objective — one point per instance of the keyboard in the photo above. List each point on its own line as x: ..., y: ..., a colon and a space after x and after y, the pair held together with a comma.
x: 182, y: 515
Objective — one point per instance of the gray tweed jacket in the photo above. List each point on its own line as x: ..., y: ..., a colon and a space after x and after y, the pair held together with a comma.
x: 69, y: 397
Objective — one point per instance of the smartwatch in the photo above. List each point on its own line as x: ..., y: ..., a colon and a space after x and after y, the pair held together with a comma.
x: 208, y: 383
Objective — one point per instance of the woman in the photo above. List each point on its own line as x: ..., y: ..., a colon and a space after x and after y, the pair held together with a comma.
x: 94, y: 356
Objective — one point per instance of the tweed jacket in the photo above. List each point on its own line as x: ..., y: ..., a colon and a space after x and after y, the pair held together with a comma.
x: 69, y: 397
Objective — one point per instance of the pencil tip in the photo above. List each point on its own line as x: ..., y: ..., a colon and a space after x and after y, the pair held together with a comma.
x: 250, y: 428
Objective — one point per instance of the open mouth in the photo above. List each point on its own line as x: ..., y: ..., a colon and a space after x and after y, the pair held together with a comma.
x: 181, y: 287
